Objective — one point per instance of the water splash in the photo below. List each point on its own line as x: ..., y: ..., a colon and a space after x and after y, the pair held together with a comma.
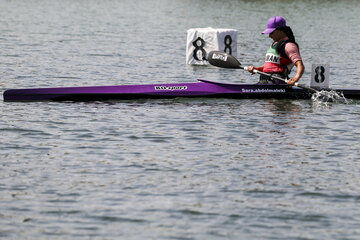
x: 325, y: 98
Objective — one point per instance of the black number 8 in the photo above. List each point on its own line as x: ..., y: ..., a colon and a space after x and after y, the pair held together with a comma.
x: 320, y: 70
x: 227, y: 42
x: 199, y: 48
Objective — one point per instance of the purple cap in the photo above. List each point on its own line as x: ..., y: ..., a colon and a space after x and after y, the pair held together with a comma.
x: 274, y: 23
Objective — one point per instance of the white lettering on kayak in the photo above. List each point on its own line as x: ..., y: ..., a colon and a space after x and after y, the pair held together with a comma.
x: 170, y: 88
x: 263, y: 90
x: 222, y: 57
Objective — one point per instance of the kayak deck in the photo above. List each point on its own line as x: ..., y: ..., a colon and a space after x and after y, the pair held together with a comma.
x: 202, y: 88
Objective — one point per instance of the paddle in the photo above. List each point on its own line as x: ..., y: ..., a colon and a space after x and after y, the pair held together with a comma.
x: 224, y: 60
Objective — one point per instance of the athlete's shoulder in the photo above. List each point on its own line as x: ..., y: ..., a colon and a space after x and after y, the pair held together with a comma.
x: 291, y: 46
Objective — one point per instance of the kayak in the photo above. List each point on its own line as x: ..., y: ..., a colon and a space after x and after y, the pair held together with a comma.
x: 202, y: 88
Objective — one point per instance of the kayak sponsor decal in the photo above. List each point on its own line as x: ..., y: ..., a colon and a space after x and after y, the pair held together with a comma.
x: 171, y: 88
x: 263, y: 90
x: 222, y: 57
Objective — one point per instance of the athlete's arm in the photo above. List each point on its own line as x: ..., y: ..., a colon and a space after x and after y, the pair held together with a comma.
x: 299, y: 72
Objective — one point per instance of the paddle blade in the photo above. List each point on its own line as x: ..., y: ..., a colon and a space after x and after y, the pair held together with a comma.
x: 223, y: 60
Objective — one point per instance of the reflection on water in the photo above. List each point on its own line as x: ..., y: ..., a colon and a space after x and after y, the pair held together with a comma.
x: 284, y: 106
x: 278, y: 131
x: 285, y: 112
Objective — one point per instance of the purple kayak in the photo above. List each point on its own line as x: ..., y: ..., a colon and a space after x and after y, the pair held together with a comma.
x: 202, y: 88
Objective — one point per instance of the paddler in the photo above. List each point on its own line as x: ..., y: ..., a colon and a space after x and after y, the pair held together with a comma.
x: 282, y: 55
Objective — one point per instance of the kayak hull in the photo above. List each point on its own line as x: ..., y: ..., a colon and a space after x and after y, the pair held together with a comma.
x: 202, y: 88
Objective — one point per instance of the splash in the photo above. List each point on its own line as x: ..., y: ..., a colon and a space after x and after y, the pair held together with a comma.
x: 324, y: 97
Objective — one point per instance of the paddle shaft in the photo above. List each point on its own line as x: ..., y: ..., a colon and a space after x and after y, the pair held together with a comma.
x: 224, y: 60
x: 282, y: 79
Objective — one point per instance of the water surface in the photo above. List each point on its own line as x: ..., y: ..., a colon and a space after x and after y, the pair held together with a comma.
x: 179, y: 168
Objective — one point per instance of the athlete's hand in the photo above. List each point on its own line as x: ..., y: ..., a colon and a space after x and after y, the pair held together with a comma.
x: 251, y: 69
x: 292, y: 81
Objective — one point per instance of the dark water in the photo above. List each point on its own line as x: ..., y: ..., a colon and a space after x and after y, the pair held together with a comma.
x: 174, y: 169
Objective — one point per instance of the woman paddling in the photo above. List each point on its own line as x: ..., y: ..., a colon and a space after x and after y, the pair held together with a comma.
x: 282, y: 55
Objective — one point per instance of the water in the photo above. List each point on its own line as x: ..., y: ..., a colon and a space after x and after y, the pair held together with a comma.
x: 180, y: 168
x: 326, y: 97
